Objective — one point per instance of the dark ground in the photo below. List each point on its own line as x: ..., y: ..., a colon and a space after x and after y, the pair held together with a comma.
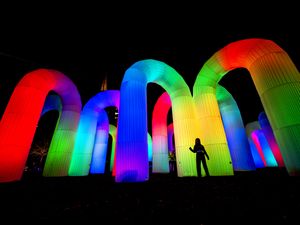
x: 267, y: 196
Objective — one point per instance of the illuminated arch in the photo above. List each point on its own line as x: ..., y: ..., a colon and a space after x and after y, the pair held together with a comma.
x: 237, y: 139
x: 21, y: 116
x: 268, y: 132
x: 160, y: 134
x: 131, y: 154
x: 90, y: 148
x: 277, y: 82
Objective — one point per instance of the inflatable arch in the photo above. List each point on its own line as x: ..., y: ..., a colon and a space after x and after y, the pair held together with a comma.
x: 276, y: 79
x: 90, y: 148
x: 236, y: 136
x: 131, y: 153
x: 234, y: 128
x: 21, y: 116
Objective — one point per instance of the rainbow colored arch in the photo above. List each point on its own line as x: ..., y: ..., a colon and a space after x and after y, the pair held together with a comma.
x: 80, y: 140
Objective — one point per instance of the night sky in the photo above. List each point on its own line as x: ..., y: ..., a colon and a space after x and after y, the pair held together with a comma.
x: 88, y: 45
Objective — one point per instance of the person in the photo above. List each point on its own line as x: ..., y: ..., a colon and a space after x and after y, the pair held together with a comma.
x: 200, y: 156
x: 172, y: 161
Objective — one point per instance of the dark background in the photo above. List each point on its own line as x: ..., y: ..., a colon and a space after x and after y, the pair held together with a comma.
x: 88, y: 42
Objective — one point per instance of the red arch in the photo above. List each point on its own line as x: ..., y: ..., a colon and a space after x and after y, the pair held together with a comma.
x: 19, y: 121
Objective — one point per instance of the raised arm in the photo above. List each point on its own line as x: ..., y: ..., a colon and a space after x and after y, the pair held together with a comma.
x: 192, y: 150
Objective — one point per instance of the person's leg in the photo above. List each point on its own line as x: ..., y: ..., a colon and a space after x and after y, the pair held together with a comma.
x: 198, y: 165
x: 205, y: 167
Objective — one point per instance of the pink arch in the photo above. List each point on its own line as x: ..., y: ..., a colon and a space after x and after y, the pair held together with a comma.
x: 21, y: 116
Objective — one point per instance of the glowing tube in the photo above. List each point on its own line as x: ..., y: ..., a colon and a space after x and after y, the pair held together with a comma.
x: 91, y: 148
x: 263, y: 148
x: 258, y: 161
x: 235, y: 132
x: 160, y: 134
x: 277, y: 82
x: 252, y: 126
x: 170, y: 137
x: 21, y: 117
x: 131, y: 154
x: 113, y: 133
x: 256, y: 140
x: 268, y: 132
x: 150, y: 148
x: 100, y: 143
x: 212, y: 130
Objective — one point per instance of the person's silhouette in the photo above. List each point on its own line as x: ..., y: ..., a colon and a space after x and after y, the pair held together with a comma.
x: 172, y: 161
x: 200, y: 156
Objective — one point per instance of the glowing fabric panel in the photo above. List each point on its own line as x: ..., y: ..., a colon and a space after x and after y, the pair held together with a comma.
x: 100, y: 143
x: 212, y: 132
x: 92, y: 136
x: 113, y: 133
x: 268, y: 132
x: 131, y: 153
x: 150, y: 148
x: 263, y: 148
x: 21, y: 117
x: 258, y: 161
x: 276, y: 79
x: 235, y: 132
x: 160, y: 134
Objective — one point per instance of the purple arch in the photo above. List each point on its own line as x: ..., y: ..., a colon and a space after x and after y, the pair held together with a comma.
x: 92, y: 136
